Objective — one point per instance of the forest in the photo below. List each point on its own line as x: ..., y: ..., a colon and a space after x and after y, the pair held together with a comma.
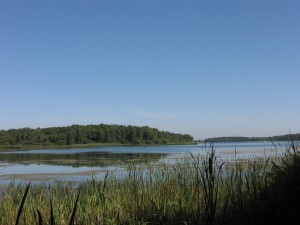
x: 85, y: 134
x: 287, y: 137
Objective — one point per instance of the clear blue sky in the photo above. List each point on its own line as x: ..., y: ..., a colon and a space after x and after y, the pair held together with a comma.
x: 206, y: 68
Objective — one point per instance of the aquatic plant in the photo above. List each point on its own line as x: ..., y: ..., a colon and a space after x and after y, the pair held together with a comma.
x: 195, y: 190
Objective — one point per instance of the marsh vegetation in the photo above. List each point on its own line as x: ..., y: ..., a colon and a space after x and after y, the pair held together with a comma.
x: 195, y: 190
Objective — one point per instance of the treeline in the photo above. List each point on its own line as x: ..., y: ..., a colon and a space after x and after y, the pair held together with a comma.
x: 287, y: 137
x: 78, y: 134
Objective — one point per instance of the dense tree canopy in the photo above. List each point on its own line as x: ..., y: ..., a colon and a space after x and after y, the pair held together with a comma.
x: 287, y: 137
x: 78, y: 134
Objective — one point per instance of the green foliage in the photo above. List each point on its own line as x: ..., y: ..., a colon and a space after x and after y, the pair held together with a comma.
x: 282, y: 198
x: 287, y: 137
x: 77, y: 134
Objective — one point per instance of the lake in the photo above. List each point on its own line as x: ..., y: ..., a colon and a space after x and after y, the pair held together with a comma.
x: 81, y: 164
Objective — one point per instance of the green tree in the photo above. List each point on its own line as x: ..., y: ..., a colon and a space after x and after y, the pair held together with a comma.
x: 69, y: 138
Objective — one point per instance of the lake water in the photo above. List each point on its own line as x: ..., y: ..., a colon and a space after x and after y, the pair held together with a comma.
x: 81, y: 164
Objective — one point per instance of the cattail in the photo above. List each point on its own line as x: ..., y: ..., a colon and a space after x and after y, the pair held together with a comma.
x: 210, y: 166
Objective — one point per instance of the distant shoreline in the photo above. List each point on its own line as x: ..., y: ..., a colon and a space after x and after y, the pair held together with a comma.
x: 286, y: 137
x: 90, y: 145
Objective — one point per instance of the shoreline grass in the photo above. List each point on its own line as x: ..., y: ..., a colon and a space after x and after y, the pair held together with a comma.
x: 198, y: 190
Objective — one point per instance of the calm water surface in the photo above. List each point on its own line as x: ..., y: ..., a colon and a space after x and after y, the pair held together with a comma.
x: 81, y: 164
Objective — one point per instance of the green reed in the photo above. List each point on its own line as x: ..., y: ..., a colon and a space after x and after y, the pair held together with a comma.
x: 195, y: 190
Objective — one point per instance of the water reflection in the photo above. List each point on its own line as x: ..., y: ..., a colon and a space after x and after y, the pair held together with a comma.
x: 81, y: 164
x: 89, y: 159
x: 69, y: 164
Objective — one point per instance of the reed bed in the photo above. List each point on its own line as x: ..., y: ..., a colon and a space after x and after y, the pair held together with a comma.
x: 195, y: 190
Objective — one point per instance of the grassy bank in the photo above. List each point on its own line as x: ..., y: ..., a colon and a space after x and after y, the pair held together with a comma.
x: 196, y: 190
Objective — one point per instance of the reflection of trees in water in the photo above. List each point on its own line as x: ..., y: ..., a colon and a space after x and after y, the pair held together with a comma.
x: 90, y: 159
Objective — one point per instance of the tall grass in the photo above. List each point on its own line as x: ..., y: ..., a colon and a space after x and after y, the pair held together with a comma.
x: 195, y: 190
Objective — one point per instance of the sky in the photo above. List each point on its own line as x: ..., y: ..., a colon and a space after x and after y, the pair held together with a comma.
x: 205, y: 68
